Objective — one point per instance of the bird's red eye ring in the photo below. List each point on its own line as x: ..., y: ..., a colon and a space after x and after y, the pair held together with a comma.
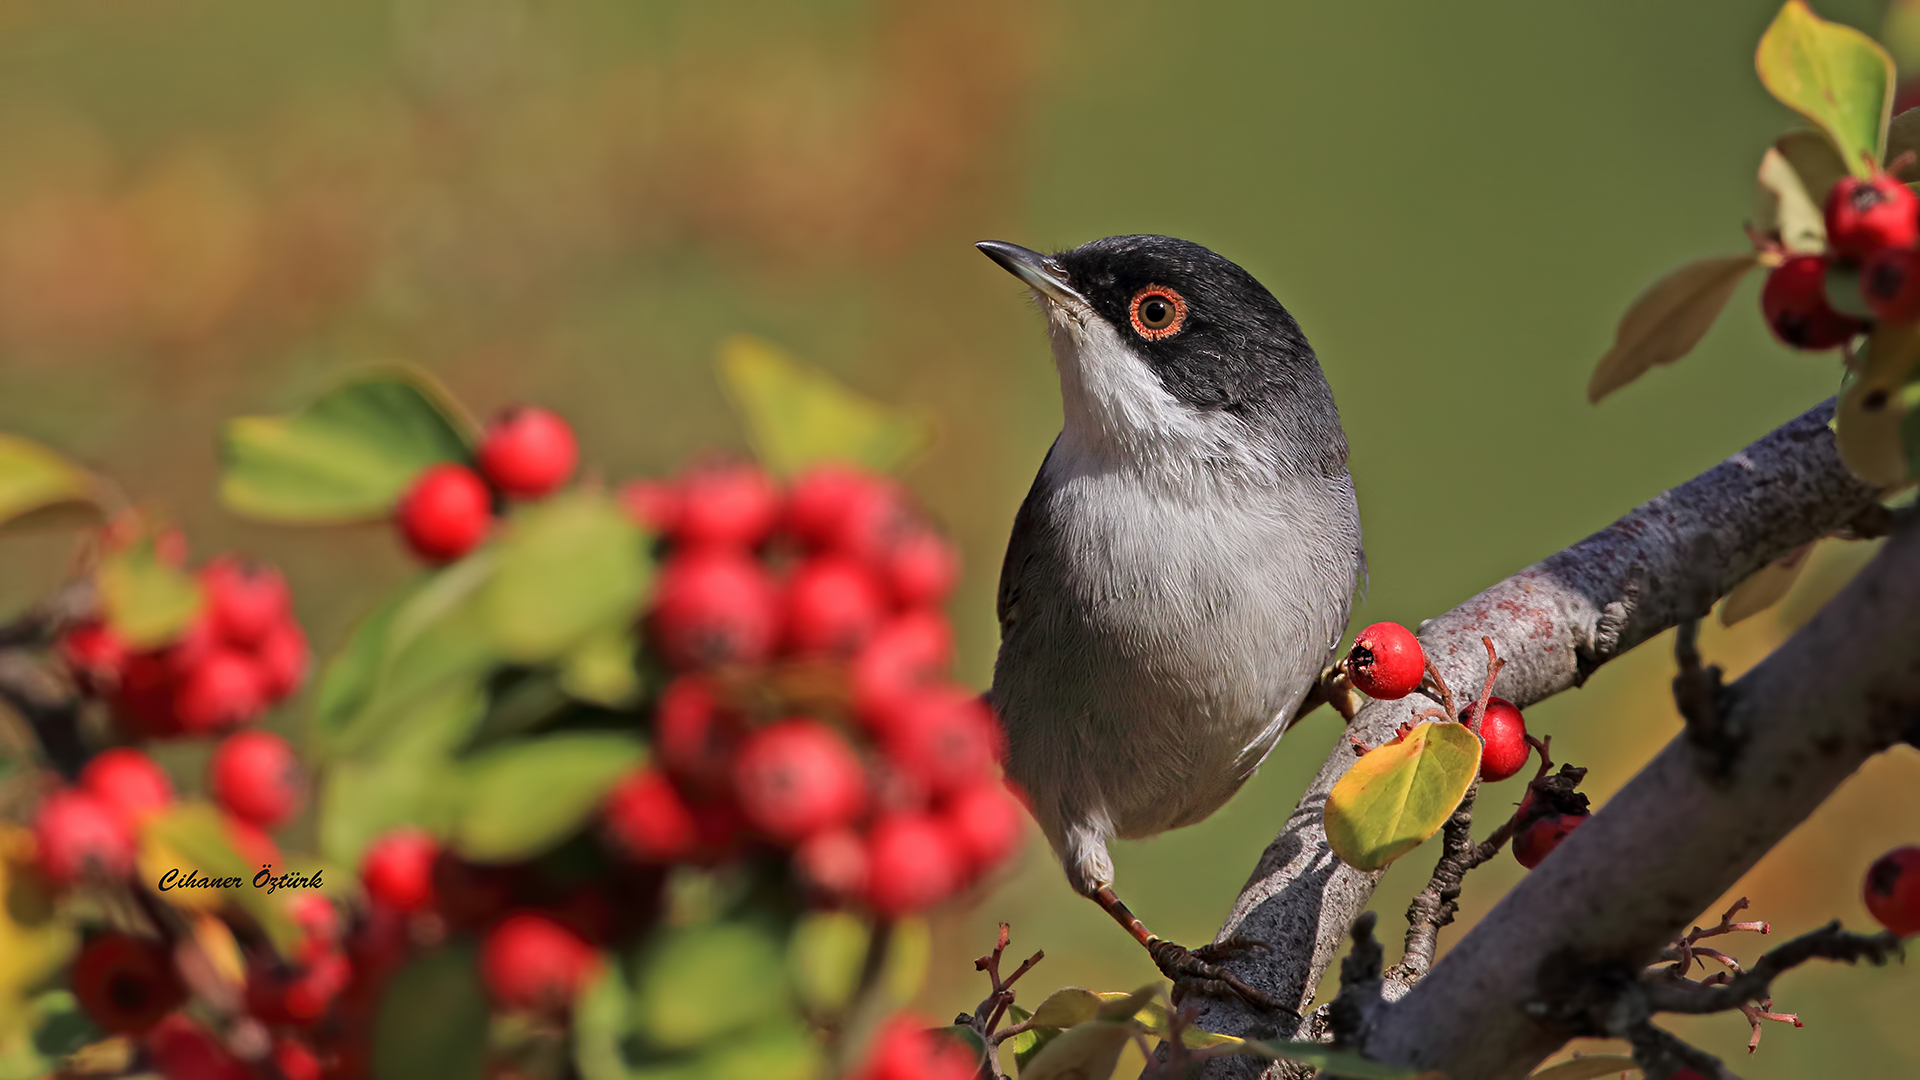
x: 1157, y: 312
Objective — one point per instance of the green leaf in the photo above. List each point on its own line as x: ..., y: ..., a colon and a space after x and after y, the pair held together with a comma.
x: 1127, y: 1006
x: 782, y: 1051
x: 1833, y: 75
x: 148, y: 601
x: 432, y: 1020
x: 35, y: 480
x: 522, y: 797
x: 1400, y: 793
x: 1868, y: 420
x: 195, y: 836
x: 698, y: 984
x: 1068, y: 1006
x: 824, y: 957
x: 1842, y: 287
x: 1086, y: 1051
x: 566, y: 569
x: 1346, y: 1064
x: 1784, y: 209
x: 63, y: 1026
x: 602, y: 1021
x: 1154, y: 1015
x: 407, y: 778
x: 1028, y: 1044
x: 1668, y: 320
x: 348, y: 456
x: 797, y: 416
x: 601, y: 669
x: 1588, y: 1067
x: 36, y: 938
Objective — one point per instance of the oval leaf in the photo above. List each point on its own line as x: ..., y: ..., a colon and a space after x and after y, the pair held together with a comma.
x: 1785, y: 210
x: 1872, y: 403
x: 602, y: 1020
x: 1086, y: 1051
x: 522, y: 797
x: 1765, y: 588
x: 1668, y: 320
x: 824, y: 958
x: 1588, y: 1067
x: 432, y: 1020
x: 698, y: 984
x: 1154, y: 1015
x: 798, y: 416
x: 1068, y: 1006
x: 1399, y: 794
x: 565, y: 570
x: 1833, y: 75
x: 1816, y: 161
x: 348, y: 456
x: 148, y: 600
x: 34, y: 479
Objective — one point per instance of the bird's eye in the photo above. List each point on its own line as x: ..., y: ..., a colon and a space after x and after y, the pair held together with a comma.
x: 1158, y: 312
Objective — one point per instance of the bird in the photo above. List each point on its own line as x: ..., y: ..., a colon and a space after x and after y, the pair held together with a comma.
x: 1183, y: 567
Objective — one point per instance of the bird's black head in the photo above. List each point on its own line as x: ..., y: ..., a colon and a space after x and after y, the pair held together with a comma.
x: 1213, y: 337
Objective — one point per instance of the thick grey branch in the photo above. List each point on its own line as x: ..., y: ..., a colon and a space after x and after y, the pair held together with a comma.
x: 1554, y: 623
x: 1622, y: 887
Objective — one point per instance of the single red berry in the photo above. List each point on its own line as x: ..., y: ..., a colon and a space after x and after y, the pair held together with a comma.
x: 712, y: 606
x: 1538, y: 837
x: 945, y: 738
x: 921, y: 568
x: 129, y: 782
x: 126, y: 983
x: 244, y: 600
x: 653, y: 504
x: 183, y: 1050
x: 227, y: 689
x: 1386, y: 662
x: 1865, y: 217
x: 397, y: 869
x: 833, y: 865
x: 282, y: 656
x: 733, y: 505
x: 1893, y: 890
x: 907, y: 1048
x: 95, y: 655
x: 833, y: 605
x: 446, y: 513
x: 913, y: 863
x: 1794, y: 301
x: 796, y: 778
x: 909, y: 653
x: 77, y: 834
x: 295, y: 1060
x: 694, y: 736
x: 528, y: 452
x: 319, y: 923
x: 1503, y: 731
x: 984, y: 821
x: 646, y: 818
x: 1890, y: 281
x: 530, y: 962
x: 255, y: 776
x: 841, y: 509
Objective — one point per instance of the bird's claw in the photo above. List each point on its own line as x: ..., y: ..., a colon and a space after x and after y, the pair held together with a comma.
x: 1196, y: 971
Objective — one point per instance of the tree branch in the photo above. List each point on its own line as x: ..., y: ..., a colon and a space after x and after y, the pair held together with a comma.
x: 1555, y: 623
x: 1622, y: 887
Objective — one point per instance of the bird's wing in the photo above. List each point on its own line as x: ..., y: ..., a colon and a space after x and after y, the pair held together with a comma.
x: 1020, y: 545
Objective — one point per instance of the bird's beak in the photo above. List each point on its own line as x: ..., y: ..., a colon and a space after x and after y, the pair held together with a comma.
x: 1040, y: 272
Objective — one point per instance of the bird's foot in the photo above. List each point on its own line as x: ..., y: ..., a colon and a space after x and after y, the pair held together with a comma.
x: 1198, y: 970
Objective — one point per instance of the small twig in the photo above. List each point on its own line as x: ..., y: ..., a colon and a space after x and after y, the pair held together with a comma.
x: 993, y: 1008
x: 1697, y: 691
x: 1436, y: 684
x: 1494, y: 664
x: 1666, y: 993
x: 1682, y: 952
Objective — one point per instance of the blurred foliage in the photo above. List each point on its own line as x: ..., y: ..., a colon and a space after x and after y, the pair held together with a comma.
x: 212, y: 208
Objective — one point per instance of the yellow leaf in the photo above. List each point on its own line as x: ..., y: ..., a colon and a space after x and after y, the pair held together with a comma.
x: 1399, y: 794
x: 1765, y: 587
x: 1786, y: 209
x: 35, y: 480
x: 1867, y: 422
x: 148, y: 601
x: 1668, y: 320
x: 1833, y: 75
x: 1588, y: 1067
x: 1086, y: 1051
x: 797, y: 416
x: 34, y: 939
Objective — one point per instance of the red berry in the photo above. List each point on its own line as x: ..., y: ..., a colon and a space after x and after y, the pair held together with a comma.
x: 225, y: 690
x: 295, y: 1060
x: 244, y: 600
x: 945, y: 738
x: 908, y: 654
x: 913, y: 863
x: 833, y: 865
x: 530, y: 962
x: 842, y: 509
x: 985, y: 822
x: 921, y: 568
x: 1504, y: 733
x: 255, y: 777
x: 908, y: 1049
x: 1893, y: 890
x: 126, y: 983
x: 1865, y: 217
x: 397, y: 870
x: 833, y: 605
x: 726, y: 505
x: 1538, y: 837
x: 652, y: 504
x: 95, y: 655
x: 694, y: 737
x: 712, y: 606
x: 1386, y: 662
x: 77, y: 834
x: 1890, y: 281
x: 528, y: 452
x: 796, y: 778
x: 446, y: 513
x: 647, y: 819
x: 127, y: 781
x: 282, y: 656
x: 183, y: 1050
x: 1794, y: 302
x: 319, y: 923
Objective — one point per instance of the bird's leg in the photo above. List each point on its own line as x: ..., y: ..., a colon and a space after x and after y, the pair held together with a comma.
x: 1190, y: 969
x: 1331, y: 688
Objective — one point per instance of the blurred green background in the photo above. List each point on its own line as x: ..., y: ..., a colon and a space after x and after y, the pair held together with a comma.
x: 210, y: 207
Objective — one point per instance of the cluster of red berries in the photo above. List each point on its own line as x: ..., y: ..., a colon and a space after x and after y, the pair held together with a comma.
x: 1873, y: 227
x: 525, y: 453
x: 810, y: 713
x: 1548, y: 814
x: 1387, y: 663
x: 242, y: 653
